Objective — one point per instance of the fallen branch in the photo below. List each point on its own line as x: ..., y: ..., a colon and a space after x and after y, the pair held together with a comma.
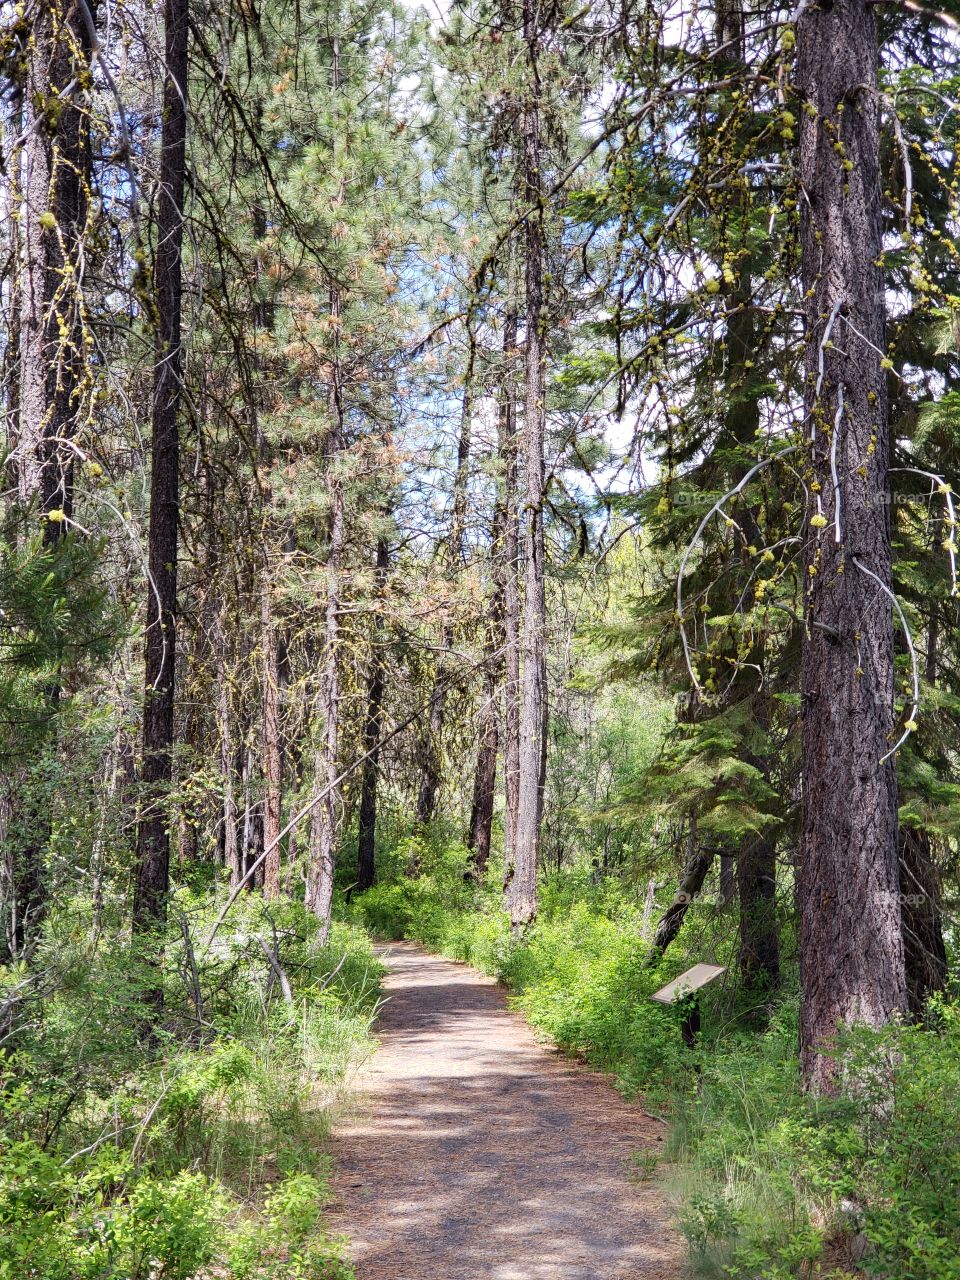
x: 278, y: 970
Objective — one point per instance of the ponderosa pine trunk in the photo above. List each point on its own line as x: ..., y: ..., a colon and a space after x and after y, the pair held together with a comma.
x: 50, y: 395
x: 325, y: 817
x: 156, y: 770
x: 523, y: 885
x: 507, y: 449
x: 851, y: 952
x: 271, y: 749
x: 372, y: 732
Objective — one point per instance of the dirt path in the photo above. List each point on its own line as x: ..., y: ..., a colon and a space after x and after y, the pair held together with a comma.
x: 477, y: 1153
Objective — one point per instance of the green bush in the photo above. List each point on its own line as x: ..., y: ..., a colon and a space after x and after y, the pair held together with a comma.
x: 289, y: 1242
x: 204, y: 1151
x: 102, y: 1222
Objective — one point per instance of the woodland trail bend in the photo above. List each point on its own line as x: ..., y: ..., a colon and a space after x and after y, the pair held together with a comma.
x: 475, y: 1152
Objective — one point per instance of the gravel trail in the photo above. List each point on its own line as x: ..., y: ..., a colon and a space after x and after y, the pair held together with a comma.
x: 476, y: 1152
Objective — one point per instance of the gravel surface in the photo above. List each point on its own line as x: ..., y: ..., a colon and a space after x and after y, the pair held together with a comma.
x: 476, y: 1152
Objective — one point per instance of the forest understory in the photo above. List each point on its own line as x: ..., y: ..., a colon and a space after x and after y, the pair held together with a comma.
x: 479, y: 474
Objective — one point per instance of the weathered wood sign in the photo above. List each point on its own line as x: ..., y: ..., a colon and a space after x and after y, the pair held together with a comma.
x: 688, y: 982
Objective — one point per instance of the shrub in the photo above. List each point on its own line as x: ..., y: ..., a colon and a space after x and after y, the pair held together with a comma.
x: 122, y: 1161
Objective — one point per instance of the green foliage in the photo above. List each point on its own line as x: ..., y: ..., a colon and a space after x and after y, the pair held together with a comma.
x: 122, y: 1161
x: 102, y: 1222
x: 56, y: 622
x: 422, y: 885
x: 288, y: 1241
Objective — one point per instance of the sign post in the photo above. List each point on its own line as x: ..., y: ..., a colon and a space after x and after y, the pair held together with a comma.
x: 684, y: 990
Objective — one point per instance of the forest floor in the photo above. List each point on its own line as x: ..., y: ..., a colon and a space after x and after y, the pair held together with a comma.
x: 474, y: 1151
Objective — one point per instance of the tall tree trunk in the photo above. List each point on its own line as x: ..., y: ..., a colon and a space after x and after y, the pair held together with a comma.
x: 759, y: 941
x: 224, y: 711
x: 507, y: 447
x: 325, y: 818
x: 51, y: 395
x: 523, y: 886
x: 925, y: 954
x: 153, y: 841
x: 851, y: 952
x: 432, y: 748
x: 271, y: 745
x: 53, y: 342
x: 485, y: 778
x: 433, y: 737
x: 272, y: 752
x: 488, y: 729
x: 372, y: 731
x: 12, y: 216
x: 728, y: 879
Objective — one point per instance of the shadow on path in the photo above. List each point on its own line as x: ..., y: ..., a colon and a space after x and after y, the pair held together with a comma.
x: 478, y: 1153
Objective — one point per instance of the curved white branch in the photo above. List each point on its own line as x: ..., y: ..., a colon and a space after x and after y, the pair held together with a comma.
x: 947, y: 492
x: 833, y: 464
x: 914, y: 668
x: 765, y: 462
x: 904, y: 148
x: 821, y: 362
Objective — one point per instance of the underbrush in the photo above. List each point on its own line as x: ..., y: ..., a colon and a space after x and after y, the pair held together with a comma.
x: 768, y: 1184
x: 202, y: 1152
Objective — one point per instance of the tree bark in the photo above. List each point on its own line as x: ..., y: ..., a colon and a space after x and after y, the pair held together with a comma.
x: 925, y: 955
x: 921, y: 908
x: 698, y: 863
x: 372, y: 730
x: 153, y: 840
x: 272, y: 752
x: 272, y: 747
x: 228, y: 813
x: 480, y: 831
x: 432, y: 741
x: 523, y: 885
x: 728, y: 879
x: 851, y: 952
x: 507, y: 447
x: 756, y: 870
x: 53, y: 390
x: 325, y: 818
x: 485, y: 779
x: 50, y: 397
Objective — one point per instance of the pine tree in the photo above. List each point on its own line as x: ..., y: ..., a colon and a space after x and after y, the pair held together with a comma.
x: 153, y: 836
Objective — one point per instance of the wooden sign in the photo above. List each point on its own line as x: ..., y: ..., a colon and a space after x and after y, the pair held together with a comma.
x: 688, y: 982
